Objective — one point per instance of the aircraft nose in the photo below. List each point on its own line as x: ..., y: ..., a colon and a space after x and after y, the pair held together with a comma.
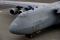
x: 14, y: 28
x: 19, y: 29
x: 13, y: 31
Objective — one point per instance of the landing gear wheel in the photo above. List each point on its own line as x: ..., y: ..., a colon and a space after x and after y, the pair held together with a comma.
x: 29, y: 35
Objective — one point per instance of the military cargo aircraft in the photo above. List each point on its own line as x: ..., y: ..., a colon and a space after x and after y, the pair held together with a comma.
x: 32, y: 16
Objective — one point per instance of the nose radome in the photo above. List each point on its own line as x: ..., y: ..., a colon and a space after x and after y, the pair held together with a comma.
x: 13, y: 29
x: 18, y: 28
x: 20, y: 31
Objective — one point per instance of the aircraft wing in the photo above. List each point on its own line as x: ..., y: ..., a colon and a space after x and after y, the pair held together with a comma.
x: 12, y: 4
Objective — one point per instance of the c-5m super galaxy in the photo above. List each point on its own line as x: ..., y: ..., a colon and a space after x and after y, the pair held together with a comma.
x: 32, y: 16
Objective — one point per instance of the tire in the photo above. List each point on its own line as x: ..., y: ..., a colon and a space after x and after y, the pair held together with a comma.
x: 29, y: 35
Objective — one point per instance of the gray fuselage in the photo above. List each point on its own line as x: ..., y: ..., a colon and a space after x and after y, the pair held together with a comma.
x: 33, y: 20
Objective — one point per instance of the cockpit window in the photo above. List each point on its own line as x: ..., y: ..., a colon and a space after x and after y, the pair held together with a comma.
x: 20, y: 9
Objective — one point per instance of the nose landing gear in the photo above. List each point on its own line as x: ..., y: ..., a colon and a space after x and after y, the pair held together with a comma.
x: 29, y: 35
